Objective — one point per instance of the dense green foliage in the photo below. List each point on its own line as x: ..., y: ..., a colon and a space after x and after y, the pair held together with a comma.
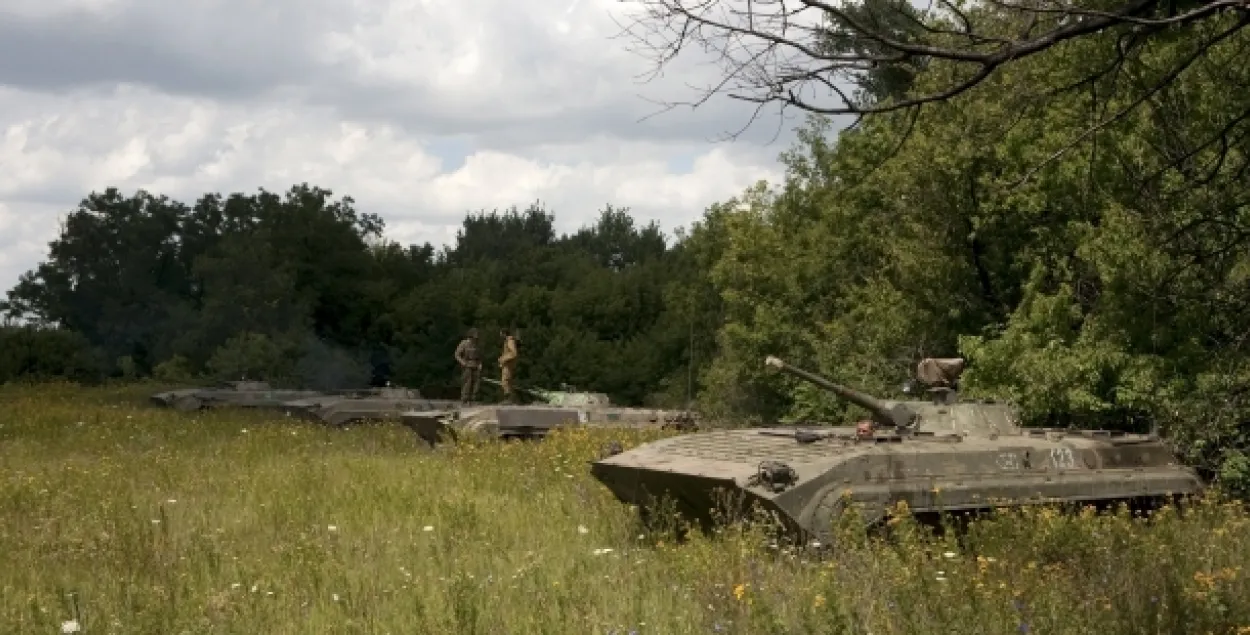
x: 1097, y: 276
x: 302, y: 289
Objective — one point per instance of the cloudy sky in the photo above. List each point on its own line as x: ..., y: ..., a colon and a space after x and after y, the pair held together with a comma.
x: 419, y: 109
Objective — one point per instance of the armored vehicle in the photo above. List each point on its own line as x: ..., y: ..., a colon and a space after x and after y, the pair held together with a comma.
x: 501, y: 421
x: 374, y: 404
x: 240, y: 394
x: 567, y: 396
x: 556, y: 408
x: 936, y: 454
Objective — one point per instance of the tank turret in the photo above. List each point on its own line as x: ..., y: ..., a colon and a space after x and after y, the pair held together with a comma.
x: 897, y: 415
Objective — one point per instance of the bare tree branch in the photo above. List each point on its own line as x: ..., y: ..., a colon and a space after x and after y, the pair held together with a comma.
x: 811, y: 54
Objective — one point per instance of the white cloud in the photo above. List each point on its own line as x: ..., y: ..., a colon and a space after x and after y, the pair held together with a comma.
x: 421, y: 110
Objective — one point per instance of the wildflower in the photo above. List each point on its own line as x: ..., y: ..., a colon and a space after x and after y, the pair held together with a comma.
x: 600, y: 552
x: 332, y: 528
x: 334, y: 596
x: 428, y: 528
x: 581, y: 529
x: 949, y: 554
x: 739, y: 591
x: 818, y: 601
x: 70, y: 626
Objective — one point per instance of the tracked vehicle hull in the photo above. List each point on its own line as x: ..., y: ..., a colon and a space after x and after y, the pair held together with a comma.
x: 233, y: 395
x: 532, y: 421
x: 809, y: 483
x: 379, y: 404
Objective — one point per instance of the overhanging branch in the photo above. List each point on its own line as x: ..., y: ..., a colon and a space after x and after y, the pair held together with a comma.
x: 811, y: 54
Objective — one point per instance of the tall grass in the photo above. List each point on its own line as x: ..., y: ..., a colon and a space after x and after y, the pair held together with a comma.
x: 121, y: 518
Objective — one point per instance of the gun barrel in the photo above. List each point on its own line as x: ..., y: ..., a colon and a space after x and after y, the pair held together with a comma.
x: 898, y: 416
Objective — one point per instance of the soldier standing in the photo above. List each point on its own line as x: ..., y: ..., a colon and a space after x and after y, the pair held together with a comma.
x: 507, y: 364
x: 470, y: 360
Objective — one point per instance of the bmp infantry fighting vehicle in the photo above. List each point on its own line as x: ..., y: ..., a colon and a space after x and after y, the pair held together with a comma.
x: 936, y: 454
x: 567, y: 397
x: 534, y: 421
x: 238, y: 394
x: 373, y: 404
x: 500, y: 421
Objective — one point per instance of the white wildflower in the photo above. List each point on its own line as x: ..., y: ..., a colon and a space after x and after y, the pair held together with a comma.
x: 334, y: 596
x: 236, y: 585
x: 600, y: 552
x: 949, y: 554
x: 428, y: 528
x: 581, y: 529
x: 332, y: 528
x: 172, y: 501
x: 70, y: 626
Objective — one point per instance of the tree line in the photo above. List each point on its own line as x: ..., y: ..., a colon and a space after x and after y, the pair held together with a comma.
x: 302, y: 289
x: 1080, y: 236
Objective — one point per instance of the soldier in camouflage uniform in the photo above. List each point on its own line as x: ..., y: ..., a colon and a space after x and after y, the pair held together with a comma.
x: 470, y: 360
x: 507, y: 364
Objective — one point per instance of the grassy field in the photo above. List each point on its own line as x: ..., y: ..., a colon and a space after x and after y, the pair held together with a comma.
x: 128, y: 519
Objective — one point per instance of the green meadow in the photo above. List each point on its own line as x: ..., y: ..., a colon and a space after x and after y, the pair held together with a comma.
x: 119, y: 517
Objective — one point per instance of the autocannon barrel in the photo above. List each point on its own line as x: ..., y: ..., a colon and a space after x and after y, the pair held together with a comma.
x: 899, y: 415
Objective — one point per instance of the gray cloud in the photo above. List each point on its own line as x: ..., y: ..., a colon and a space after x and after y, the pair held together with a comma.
x: 204, y: 49
x: 532, y: 85
x: 419, y: 111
